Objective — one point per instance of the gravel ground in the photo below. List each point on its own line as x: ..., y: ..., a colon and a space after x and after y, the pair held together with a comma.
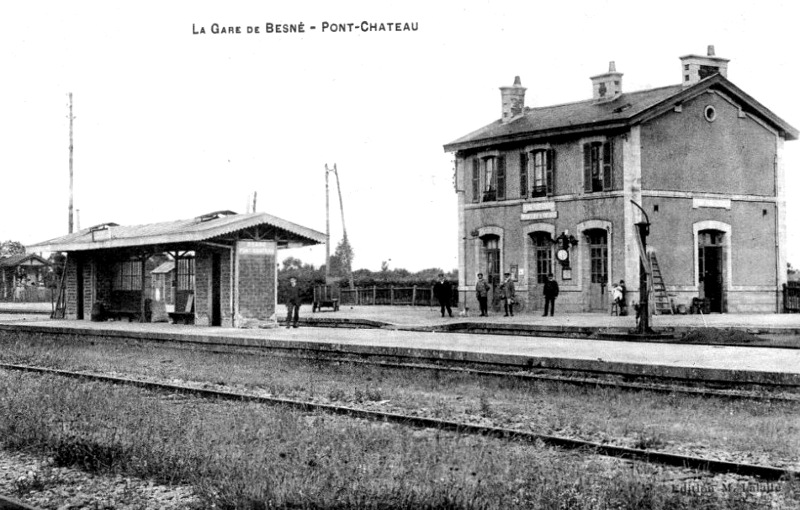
x: 38, y: 483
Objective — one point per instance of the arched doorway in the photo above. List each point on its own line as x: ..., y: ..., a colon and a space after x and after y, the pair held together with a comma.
x: 595, y: 280
x: 541, y: 265
x: 491, y: 265
x: 710, y: 257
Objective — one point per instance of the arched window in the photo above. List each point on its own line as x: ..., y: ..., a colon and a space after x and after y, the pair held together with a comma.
x: 491, y: 246
x: 543, y: 249
x: 598, y: 255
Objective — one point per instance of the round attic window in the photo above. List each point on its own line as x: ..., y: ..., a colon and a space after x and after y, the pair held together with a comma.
x: 710, y: 113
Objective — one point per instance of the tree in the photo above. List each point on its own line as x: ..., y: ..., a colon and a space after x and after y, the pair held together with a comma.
x: 341, y: 263
x: 9, y: 248
x: 292, y: 263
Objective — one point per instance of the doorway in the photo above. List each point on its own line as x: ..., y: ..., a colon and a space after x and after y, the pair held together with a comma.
x: 711, y: 273
x: 597, y: 284
x: 541, y: 267
x: 216, y: 293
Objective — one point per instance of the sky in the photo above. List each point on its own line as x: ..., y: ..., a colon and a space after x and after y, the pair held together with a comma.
x: 170, y: 123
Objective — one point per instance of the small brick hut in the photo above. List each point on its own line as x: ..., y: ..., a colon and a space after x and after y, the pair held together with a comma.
x: 226, y: 266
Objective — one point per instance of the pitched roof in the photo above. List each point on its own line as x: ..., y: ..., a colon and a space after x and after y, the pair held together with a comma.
x: 17, y: 260
x: 589, y: 115
x: 192, y: 230
x: 166, y: 267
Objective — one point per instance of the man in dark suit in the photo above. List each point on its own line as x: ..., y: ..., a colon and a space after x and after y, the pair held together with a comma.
x: 550, y: 294
x: 482, y: 293
x: 292, y: 303
x: 442, y: 291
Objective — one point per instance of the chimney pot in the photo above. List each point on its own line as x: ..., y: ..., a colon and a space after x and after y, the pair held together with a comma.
x: 607, y: 86
x: 512, y: 100
x: 697, y: 67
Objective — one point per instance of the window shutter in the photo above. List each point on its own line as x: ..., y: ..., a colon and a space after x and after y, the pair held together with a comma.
x: 476, y: 179
x: 587, y: 167
x: 551, y: 174
x: 523, y: 174
x: 608, y: 165
x: 501, y: 178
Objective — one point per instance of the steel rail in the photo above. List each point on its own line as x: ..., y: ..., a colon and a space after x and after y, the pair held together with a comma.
x: 8, y: 503
x: 578, y: 381
x: 684, y: 461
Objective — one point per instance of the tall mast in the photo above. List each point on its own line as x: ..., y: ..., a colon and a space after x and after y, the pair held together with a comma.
x: 327, y: 229
x: 70, y: 163
x: 347, y: 261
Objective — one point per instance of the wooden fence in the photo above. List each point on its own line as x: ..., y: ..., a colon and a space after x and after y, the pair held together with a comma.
x: 392, y: 296
x: 791, y: 297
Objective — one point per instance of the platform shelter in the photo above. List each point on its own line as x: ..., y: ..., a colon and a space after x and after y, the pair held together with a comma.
x: 226, y: 267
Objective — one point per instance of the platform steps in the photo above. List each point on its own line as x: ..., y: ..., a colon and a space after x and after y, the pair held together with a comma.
x: 662, y: 304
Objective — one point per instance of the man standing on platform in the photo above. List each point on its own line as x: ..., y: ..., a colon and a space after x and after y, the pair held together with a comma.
x: 442, y: 291
x: 550, y: 294
x: 508, y: 293
x: 482, y: 293
x: 292, y: 303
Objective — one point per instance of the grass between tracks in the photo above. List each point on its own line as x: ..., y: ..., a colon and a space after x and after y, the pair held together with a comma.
x: 242, y: 456
x: 255, y: 457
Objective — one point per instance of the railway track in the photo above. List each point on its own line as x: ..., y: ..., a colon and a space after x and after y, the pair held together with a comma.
x: 7, y: 503
x: 600, y: 380
x: 649, y: 456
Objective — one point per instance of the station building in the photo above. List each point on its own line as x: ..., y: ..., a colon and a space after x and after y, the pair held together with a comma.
x: 703, y: 159
x: 225, y: 267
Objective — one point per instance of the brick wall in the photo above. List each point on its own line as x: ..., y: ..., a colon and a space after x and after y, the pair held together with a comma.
x: 256, y: 272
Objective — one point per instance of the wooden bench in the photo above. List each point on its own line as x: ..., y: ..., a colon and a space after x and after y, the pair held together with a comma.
x: 123, y: 305
x: 187, y: 315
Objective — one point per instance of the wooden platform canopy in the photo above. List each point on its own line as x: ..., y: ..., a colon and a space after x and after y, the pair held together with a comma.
x: 232, y: 277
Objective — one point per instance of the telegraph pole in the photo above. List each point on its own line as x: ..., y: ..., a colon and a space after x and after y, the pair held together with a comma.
x: 327, y: 229
x: 70, y: 163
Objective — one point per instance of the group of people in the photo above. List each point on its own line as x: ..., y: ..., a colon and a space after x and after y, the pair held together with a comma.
x: 508, y: 295
x: 442, y: 291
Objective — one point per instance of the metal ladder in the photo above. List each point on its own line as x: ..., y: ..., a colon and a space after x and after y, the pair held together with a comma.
x: 660, y: 298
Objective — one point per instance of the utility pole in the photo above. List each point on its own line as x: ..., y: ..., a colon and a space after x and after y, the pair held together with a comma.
x: 327, y: 228
x: 344, y: 233
x: 70, y: 163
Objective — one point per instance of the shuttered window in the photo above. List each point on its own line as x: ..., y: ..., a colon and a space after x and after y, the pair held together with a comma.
x: 598, y: 166
x: 494, y: 175
x: 501, y: 178
x: 476, y: 180
x: 541, y: 167
x: 523, y: 174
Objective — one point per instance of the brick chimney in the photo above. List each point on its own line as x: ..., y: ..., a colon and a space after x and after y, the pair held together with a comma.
x: 608, y: 86
x: 513, y: 99
x: 697, y: 67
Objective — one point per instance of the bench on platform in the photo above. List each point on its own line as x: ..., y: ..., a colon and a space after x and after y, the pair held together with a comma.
x: 125, y: 305
x: 187, y: 315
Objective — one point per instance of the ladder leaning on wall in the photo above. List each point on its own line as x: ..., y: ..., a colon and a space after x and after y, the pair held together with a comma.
x: 60, y: 309
x: 662, y: 304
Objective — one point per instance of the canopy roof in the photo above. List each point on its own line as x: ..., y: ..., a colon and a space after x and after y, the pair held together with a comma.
x: 221, y: 226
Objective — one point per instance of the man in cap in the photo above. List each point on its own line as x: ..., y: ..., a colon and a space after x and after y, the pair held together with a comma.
x: 507, y: 294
